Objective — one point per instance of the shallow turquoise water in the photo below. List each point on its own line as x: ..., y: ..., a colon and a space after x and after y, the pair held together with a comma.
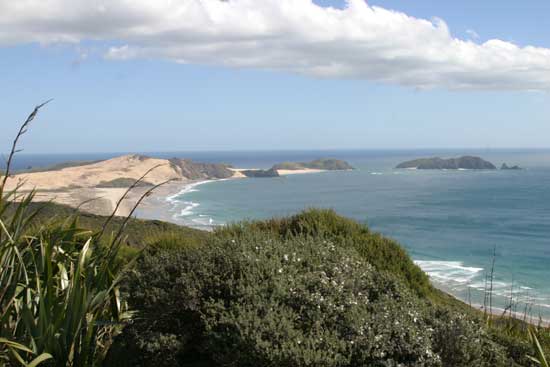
x: 449, y: 221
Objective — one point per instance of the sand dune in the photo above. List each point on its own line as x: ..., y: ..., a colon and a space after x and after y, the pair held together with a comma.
x: 74, y: 185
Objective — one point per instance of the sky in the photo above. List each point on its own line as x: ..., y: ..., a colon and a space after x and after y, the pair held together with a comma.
x: 187, y: 75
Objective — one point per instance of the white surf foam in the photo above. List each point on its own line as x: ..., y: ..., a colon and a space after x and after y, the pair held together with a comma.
x: 191, y: 187
x: 455, y: 276
x: 188, y: 209
x: 449, y: 271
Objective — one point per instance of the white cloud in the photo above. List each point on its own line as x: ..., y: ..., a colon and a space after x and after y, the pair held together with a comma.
x: 472, y: 33
x: 359, y: 41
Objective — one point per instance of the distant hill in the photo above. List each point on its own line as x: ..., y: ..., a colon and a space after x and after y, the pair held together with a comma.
x: 321, y: 164
x: 465, y: 162
x: 198, y: 171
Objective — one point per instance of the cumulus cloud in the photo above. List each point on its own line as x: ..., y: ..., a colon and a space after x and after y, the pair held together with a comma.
x: 359, y: 41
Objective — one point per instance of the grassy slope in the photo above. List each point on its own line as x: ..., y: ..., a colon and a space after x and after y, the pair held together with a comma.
x: 138, y: 234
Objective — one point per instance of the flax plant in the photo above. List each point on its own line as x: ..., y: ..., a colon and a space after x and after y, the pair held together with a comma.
x: 539, y: 357
x: 59, y: 297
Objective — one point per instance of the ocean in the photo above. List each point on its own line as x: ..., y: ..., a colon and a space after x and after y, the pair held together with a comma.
x: 451, y: 222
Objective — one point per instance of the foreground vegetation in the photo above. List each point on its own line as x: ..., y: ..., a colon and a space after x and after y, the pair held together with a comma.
x: 314, y: 289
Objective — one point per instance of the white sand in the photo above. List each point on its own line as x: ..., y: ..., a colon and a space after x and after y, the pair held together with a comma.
x: 286, y: 172
x: 281, y: 172
x: 74, y: 185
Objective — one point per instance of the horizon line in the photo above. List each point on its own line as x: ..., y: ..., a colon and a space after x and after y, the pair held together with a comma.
x: 289, y: 150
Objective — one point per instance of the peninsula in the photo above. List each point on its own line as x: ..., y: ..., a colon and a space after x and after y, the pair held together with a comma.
x: 101, y: 184
x: 465, y: 162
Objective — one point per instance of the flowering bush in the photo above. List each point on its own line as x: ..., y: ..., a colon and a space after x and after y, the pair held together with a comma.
x: 258, y: 300
x: 322, y: 224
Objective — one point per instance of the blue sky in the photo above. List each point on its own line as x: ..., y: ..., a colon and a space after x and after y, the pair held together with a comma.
x: 152, y: 103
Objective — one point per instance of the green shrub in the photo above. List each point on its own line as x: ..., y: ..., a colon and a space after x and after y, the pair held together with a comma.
x: 383, y: 253
x: 259, y: 301
x: 463, y: 341
x: 252, y: 298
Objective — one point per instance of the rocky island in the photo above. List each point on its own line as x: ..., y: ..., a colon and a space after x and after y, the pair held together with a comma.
x: 507, y: 167
x: 465, y: 162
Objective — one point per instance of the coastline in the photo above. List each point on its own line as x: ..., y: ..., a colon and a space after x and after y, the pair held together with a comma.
x: 162, y: 205
x: 499, y: 312
x: 530, y: 317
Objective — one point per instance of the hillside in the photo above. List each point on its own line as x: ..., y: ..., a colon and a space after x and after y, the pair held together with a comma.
x: 127, y: 167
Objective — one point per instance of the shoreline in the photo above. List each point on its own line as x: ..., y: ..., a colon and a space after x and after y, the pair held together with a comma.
x: 497, y: 311
x: 500, y: 312
x: 163, y: 206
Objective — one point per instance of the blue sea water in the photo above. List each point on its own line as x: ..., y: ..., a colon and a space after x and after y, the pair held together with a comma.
x: 449, y: 221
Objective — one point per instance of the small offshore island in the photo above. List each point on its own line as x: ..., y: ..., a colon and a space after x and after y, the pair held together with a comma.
x: 101, y: 184
x: 465, y: 162
x: 461, y: 163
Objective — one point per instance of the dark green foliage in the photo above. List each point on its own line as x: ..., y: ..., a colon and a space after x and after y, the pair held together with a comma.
x: 462, y: 340
x: 260, y: 173
x: 516, y: 347
x: 385, y: 254
x: 256, y: 301
x: 289, y: 292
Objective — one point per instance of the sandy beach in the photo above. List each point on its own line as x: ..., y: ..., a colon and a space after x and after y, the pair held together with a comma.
x: 286, y: 172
